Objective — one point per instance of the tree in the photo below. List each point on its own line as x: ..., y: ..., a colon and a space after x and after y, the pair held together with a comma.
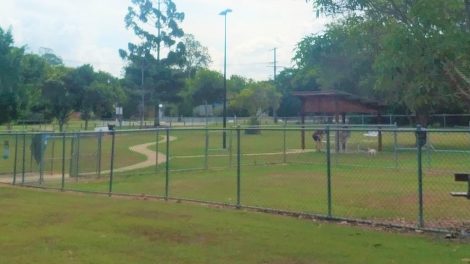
x: 58, y: 98
x: 156, y: 25
x: 424, y: 47
x: 258, y: 97
x: 196, y: 56
x: 290, y: 80
x: 340, y: 59
x: 33, y: 73
x: 205, y: 86
x: 10, y: 61
x: 102, y: 95
x: 52, y: 59
x: 235, y: 85
x: 78, y: 83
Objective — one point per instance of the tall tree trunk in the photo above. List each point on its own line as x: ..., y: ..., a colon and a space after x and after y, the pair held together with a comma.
x: 157, y: 114
x: 275, y: 115
x: 467, y: 12
x: 422, y: 119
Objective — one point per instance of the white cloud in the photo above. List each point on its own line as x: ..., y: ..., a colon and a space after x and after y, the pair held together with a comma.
x: 90, y: 31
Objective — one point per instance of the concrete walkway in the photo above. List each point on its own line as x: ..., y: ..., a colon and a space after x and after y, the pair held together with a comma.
x: 151, y: 157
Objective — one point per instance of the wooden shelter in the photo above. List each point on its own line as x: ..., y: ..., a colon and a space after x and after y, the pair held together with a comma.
x: 338, y: 104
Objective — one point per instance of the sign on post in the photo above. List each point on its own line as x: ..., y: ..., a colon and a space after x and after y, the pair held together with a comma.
x: 6, y: 149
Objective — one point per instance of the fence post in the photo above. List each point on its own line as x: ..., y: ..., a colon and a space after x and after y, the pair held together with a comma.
x: 100, y: 142
x: 16, y: 159
x: 428, y: 151
x: 238, y: 169
x: 284, y: 151
x: 24, y: 158
x: 328, y: 171
x: 31, y: 156
x: 420, y: 133
x: 41, y: 160
x: 72, y: 147
x: 206, y: 150
x: 157, y: 148
x: 380, y: 143
x: 63, y: 162
x: 395, y: 147
x: 77, y: 170
x: 52, y: 158
x: 230, y: 148
x: 167, y: 173
x: 113, y: 133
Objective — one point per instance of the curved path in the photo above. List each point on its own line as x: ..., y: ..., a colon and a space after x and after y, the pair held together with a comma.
x: 288, y: 152
x: 151, y: 158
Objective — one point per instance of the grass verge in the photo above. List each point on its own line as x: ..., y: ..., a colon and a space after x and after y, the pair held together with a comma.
x: 46, y: 227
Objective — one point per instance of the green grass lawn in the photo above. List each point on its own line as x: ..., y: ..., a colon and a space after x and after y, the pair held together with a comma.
x: 44, y: 227
x: 363, y: 193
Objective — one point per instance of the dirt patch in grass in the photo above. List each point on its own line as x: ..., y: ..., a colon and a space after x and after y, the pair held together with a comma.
x: 7, y: 195
x: 172, y: 236
x: 288, y: 261
x: 149, y: 214
x: 50, y: 219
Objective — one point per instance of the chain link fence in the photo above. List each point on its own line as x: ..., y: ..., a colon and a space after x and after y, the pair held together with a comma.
x: 376, y: 174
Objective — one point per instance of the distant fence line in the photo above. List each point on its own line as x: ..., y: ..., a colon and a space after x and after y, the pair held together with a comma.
x: 435, y: 121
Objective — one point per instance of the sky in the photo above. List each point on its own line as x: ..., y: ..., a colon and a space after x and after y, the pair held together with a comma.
x: 92, y: 31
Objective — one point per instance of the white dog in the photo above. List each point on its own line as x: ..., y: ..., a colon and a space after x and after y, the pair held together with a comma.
x: 371, y: 152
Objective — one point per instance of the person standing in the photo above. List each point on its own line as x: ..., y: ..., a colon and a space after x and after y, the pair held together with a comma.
x: 344, y: 135
x: 317, y: 138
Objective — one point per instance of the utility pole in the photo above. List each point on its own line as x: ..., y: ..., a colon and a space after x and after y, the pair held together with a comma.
x: 274, y: 79
x: 159, y: 28
x: 275, y: 64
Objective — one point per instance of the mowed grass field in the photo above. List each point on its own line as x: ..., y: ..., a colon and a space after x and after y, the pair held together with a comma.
x: 382, y: 187
x: 50, y: 227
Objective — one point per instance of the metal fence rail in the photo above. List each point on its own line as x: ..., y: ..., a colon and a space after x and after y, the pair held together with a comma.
x: 377, y: 174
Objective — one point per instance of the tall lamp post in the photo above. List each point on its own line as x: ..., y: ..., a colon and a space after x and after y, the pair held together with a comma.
x: 224, y: 140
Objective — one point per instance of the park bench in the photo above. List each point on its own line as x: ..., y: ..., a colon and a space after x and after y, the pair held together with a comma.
x: 462, y: 177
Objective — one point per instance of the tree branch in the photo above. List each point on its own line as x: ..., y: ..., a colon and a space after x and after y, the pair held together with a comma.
x: 456, y: 77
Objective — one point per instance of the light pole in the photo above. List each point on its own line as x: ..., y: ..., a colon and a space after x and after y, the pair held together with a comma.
x: 224, y: 140
x: 159, y: 114
x: 142, y: 114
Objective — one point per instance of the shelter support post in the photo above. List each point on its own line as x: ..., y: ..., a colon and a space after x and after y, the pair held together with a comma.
x: 336, y: 133
x: 302, y: 120
x: 379, y: 138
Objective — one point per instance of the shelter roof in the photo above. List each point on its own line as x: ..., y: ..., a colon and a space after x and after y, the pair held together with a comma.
x: 336, y: 102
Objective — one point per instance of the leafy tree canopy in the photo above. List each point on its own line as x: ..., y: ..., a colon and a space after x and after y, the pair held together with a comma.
x: 412, y: 52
